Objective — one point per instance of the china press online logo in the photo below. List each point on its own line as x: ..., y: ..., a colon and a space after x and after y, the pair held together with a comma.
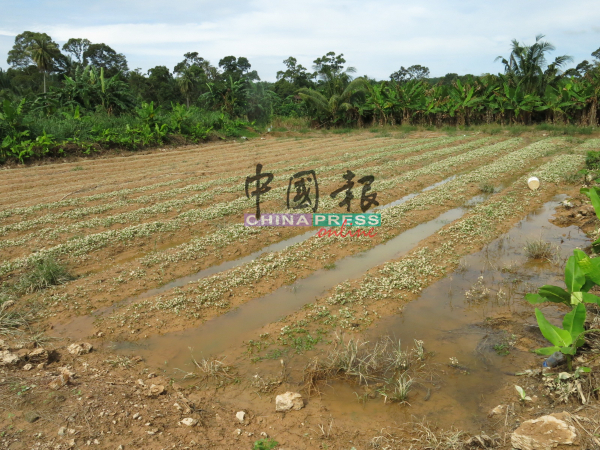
x: 345, y: 221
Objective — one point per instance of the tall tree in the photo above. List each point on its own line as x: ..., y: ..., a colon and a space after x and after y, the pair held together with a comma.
x: 43, y: 51
x: 330, y: 71
x: 527, y: 65
x: 77, y: 47
x: 102, y: 55
x: 416, y: 72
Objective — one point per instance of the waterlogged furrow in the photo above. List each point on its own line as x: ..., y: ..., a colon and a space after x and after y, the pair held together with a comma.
x: 199, y: 199
x: 242, y: 203
x: 198, y: 247
x: 213, y: 291
x: 236, y: 178
x: 403, y: 278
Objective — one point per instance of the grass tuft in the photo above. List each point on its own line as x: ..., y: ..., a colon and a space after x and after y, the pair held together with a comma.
x: 540, y: 249
x: 45, y: 272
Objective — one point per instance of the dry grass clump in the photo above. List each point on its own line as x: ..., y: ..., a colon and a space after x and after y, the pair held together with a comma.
x: 382, y: 362
x: 540, y: 249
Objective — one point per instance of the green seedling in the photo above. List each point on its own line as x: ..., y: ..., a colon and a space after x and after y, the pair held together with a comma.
x: 522, y: 395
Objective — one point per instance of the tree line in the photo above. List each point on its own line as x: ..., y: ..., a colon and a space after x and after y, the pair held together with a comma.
x: 60, y: 87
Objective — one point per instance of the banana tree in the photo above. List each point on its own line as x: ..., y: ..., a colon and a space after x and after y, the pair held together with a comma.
x: 331, y: 110
x: 462, y: 101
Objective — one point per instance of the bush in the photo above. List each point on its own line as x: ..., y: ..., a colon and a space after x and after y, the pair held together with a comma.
x: 45, y: 272
x: 592, y: 160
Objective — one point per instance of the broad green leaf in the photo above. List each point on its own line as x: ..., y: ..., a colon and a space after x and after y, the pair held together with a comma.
x: 568, y: 350
x: 590, y: 269
x: 576, y: 298
x: 535, y: 298
x: 558, y: 336
x: 555, y: 294
x: 574, y: 276
x: 547, y: 351
x: 591, y: 298
x: 573, y: 321
x: 584, y: 369
x: 593, y: 195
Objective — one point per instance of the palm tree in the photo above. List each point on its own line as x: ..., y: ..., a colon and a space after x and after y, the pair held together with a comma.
x: 43, y: 51
x: 186, y: 83
x: 526, y: 65
x: 332, y: 108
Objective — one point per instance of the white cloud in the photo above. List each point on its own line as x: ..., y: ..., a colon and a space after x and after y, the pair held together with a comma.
x: 376, y: 37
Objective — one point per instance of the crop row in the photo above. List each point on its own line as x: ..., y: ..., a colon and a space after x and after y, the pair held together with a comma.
x: 213, y: 212
x: 213, y: 291
x: 190, y: 188
x: 198, y: 199
x: 413, y: 272
x: 197, y: 247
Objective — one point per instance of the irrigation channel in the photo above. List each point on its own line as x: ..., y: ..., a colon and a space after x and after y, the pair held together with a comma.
x: 80, y: 326
x: 452, y: 323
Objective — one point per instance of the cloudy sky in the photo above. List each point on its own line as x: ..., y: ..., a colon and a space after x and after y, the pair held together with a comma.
x: 376, y: 37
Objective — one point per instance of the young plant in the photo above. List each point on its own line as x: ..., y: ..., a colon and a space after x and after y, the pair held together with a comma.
x: 581, y: 274
x: 566, y: 339
x: 522, y: 395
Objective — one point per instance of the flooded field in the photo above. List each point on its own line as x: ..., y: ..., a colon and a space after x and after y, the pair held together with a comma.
x: 168, y: 284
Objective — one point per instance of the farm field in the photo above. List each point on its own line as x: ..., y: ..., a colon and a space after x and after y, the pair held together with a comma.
x: 172, y: 290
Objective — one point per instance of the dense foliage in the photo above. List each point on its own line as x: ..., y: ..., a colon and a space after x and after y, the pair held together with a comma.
x: 85, y: 97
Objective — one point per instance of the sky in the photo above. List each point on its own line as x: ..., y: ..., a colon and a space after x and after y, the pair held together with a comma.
x: 376, y: 37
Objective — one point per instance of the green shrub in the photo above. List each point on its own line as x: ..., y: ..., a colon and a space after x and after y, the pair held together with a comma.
x: 44, y: 273
x: 265, y: 444
x: 592, y: 160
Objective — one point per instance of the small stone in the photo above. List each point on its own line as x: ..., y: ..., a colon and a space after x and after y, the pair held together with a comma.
x: 155, y: 390
x: 240, y: 415
x: 100, y: 334
x: 8, y: 359
x: 263, y: 434
x: 62, y: 379
x: 178, y: 406
x: 27, y: 367
x: 497, y: 411
x: 41, y: 366
x: 62, y: 431
x: 38, y: 356
x: 289, y: 401
x: 79, y: 349
x: 544, y: 433
x: 31, y: 416
x: 71, y: 443
x: 237, y: 432
x: 136, y: 416
x: 96, y: 441
x: 189, y: 422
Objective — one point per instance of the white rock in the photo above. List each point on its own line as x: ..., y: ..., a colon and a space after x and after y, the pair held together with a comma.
x: 288, y: 401
x: 188, y: 421
x: 7, y: 358
x: 136, y: 416
x: 544, y: 433
x: 79, y: 349
x: 240, y: 415
x: 27, y: 367
x: 62, y: 431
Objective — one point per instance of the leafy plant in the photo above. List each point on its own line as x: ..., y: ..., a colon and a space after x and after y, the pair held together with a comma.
x: 265, y: 444
x: 581, y: 274
x: 522, y: 395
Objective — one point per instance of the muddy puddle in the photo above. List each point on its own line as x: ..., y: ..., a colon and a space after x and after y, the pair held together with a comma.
x: 475, y: 324
x: 231, y: 328
x: 81, y: 326
x: 466, y: 316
